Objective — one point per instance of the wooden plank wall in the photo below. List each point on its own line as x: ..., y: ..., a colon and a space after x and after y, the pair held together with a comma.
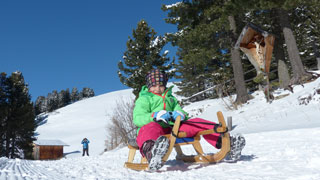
x: 51, y: 152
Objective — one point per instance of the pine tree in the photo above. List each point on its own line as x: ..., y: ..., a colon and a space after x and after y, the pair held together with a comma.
x: 52, y: 101
x: 20, y: 124
x: 61, y: 98
x: 67, y: 97
x: 195, y: 42
x: 40, y: 105
x: 306, y: 20
x: 201, y: 37
x: 143, y: 54
x: 3, y: 111
x: 86, y: 93
x: 74, y: 95
x: 232, y: 13
x: 283, y: 8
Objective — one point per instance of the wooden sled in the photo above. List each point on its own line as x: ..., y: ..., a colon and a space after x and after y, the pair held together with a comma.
x: 176, y: 142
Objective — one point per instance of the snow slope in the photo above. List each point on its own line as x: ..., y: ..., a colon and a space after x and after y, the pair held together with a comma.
x: 283, y: 140
x: 86, y: 118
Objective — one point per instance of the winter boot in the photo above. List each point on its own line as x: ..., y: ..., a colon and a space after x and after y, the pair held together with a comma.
x: 147, y: 149
x: 237, y: 143
x: 159, y: 150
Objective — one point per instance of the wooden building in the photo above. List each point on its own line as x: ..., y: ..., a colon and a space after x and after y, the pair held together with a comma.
x: 48, y: 149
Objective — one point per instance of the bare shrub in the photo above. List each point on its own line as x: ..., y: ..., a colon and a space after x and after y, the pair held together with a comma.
x: 223, y: 93
x: 121, y: 128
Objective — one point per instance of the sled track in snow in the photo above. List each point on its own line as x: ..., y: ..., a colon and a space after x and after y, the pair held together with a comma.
x: 16, y: 169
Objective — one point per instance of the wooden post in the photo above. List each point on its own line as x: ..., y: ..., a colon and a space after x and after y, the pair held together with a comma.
x: 229, y: 122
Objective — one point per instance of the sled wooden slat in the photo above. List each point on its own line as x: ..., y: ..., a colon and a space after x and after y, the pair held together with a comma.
x: 172, y: 139
x: 137, y: 166
x: 132, y: 153
x: 210, y: 131
x: 201, y: 157
x: 180, y: 135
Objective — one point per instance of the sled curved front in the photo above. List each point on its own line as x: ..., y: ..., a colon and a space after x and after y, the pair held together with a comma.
x: 201, y: 157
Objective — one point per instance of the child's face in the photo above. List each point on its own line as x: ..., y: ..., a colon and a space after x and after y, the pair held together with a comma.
x: 158, y: 89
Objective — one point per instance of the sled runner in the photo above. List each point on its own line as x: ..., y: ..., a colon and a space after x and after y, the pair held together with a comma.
x: 178, y: 139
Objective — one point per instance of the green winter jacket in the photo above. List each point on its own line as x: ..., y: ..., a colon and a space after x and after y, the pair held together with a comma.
x: 148, y: 103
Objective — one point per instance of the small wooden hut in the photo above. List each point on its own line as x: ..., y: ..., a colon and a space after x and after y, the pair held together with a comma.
x: 48, y: 149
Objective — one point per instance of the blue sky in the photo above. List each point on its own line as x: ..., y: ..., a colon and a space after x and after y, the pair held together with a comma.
x: 63, y: 44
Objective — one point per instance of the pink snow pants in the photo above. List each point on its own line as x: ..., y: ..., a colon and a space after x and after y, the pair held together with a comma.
x: 153, y: 130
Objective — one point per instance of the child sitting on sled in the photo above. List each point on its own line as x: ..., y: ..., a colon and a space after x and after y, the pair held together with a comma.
x: 154, y: 109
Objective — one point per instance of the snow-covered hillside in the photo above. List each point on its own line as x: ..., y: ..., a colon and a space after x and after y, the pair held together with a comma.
x: 283, y: 140
x: 87, y: 118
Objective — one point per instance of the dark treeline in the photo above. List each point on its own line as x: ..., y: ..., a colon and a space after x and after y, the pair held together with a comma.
x: 17, y: 124
x: 57, y: 100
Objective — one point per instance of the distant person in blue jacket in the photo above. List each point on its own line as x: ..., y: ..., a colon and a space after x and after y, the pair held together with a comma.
x: 85, y: 143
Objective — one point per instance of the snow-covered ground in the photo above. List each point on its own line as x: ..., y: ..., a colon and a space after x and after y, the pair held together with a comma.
x: 87, y: 118
x: 283, y: 140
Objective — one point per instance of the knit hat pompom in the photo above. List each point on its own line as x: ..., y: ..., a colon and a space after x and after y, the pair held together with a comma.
x: 156, y: 77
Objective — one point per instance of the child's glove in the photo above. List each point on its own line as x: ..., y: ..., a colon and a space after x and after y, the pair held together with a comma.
x: 162, y: 115
x: 175, y: 114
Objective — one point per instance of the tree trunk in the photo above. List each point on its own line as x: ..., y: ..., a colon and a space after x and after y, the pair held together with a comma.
x: 7, y: 145
x: 241, y: 90
x: 1, y: 145
x: 316, y: 53
x: 13, y: 146
x: 299, y: 73
x: 283, y: 73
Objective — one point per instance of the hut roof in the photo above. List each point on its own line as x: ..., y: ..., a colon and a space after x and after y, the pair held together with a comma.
x: 248, y: 32
x: 47, y: 142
